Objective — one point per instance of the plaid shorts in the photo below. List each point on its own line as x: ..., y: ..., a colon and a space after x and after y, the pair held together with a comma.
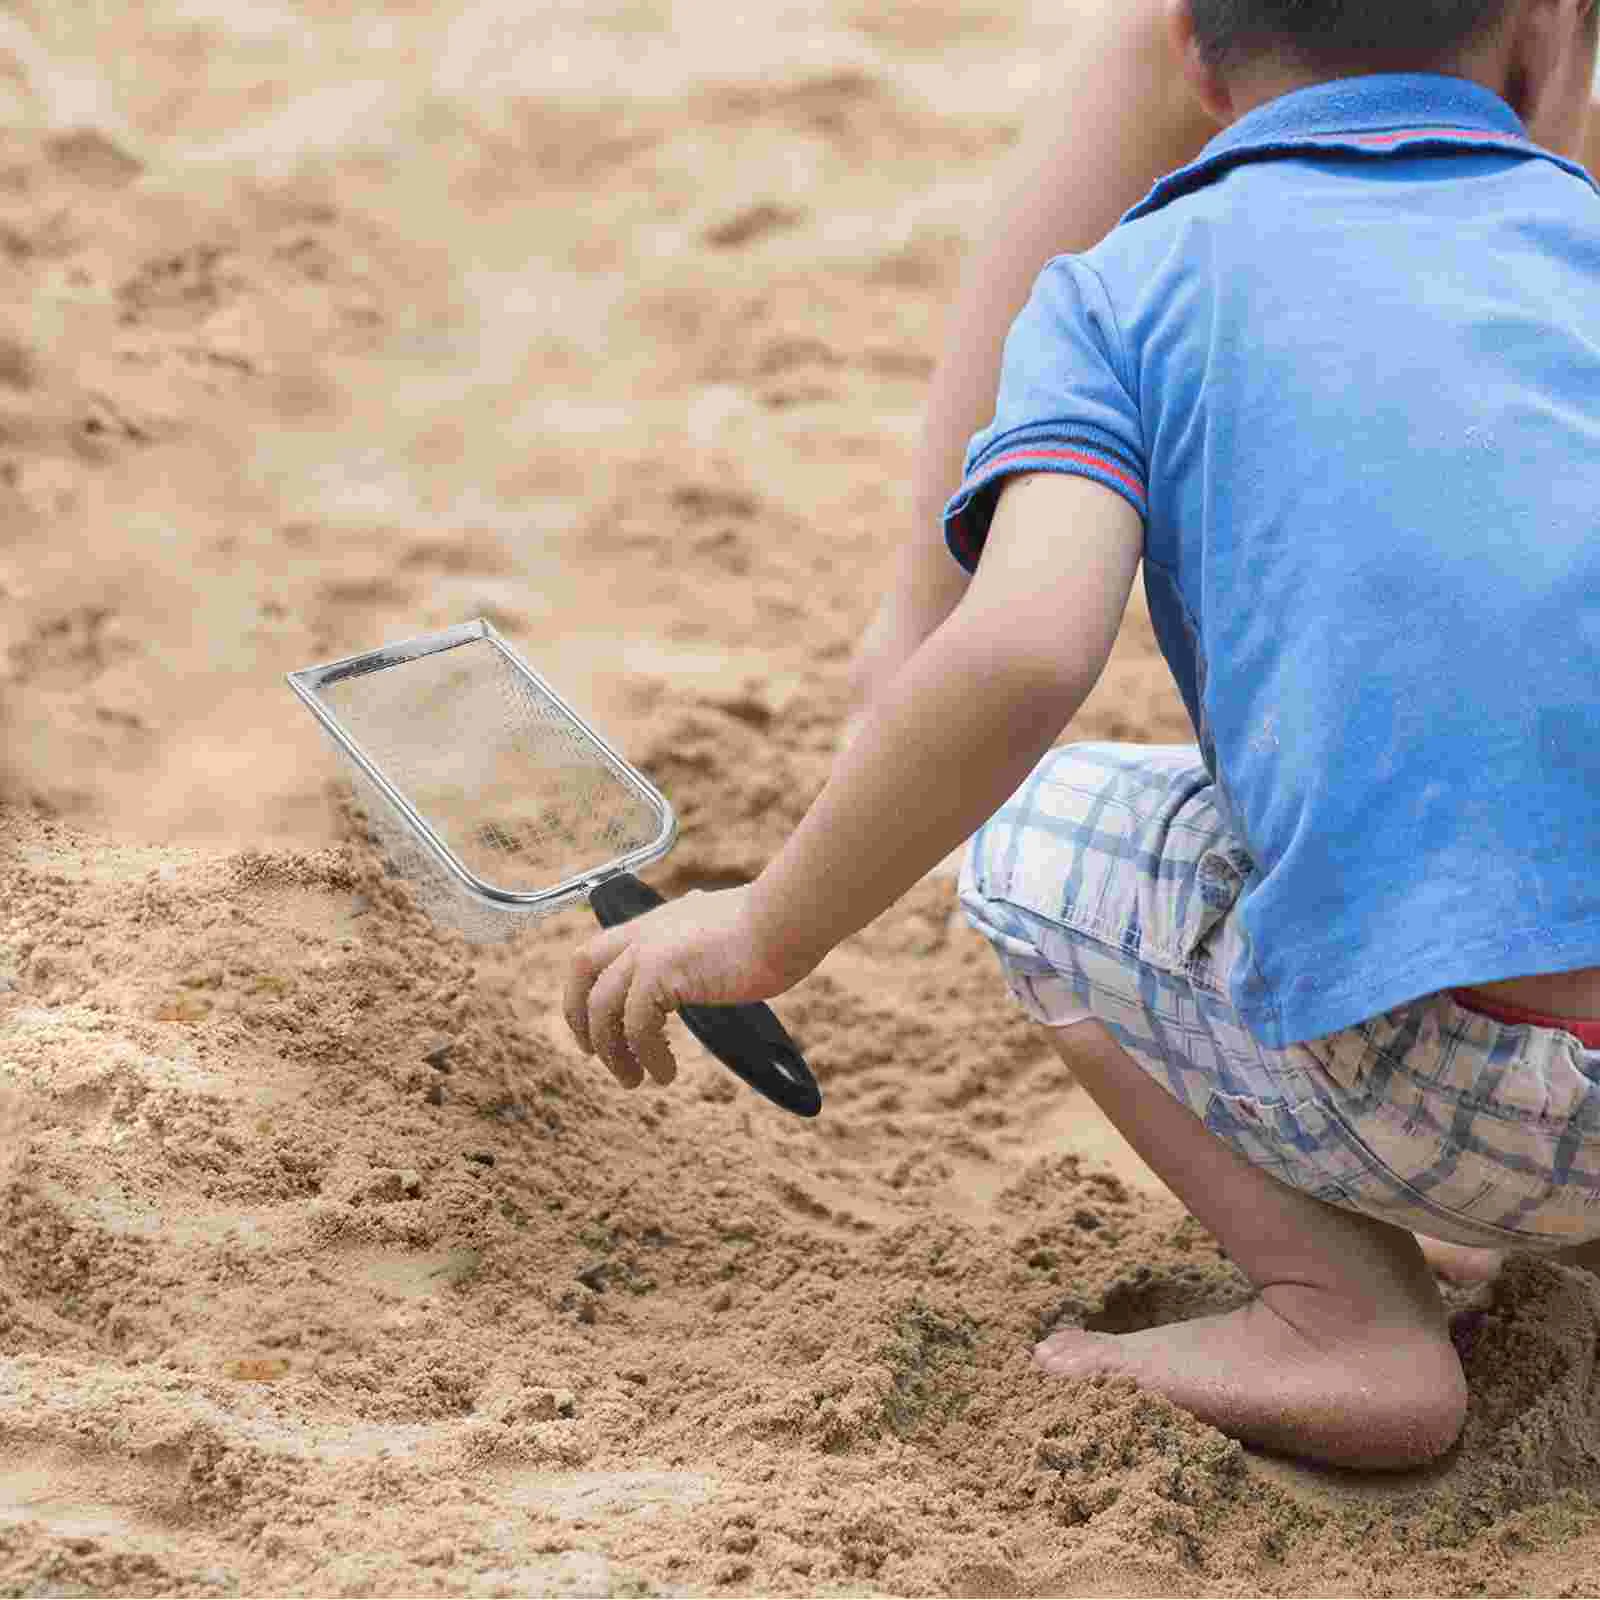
x: 1107, y: 886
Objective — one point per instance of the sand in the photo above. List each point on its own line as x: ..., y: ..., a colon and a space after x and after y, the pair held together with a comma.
x: 327, y: 1265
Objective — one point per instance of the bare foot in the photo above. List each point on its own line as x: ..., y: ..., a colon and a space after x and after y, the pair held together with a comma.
x: 1345, y: 1357
x: 1461, y: 1263
x: 1386, y: 1397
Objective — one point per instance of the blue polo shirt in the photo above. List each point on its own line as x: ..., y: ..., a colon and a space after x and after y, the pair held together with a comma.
x: 1346, y: 366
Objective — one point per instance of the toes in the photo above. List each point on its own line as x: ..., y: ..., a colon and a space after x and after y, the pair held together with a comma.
x: 1463, y: 1264
x: 1073, y: 1353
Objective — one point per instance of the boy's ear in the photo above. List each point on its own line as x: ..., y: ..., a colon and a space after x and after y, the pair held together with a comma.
x: 1209, y: 86
x: 1549, y: 62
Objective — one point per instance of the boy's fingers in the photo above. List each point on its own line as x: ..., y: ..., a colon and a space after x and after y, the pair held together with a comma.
x: 575, y: 997
x: 607, y: 1000
x: 590, y: 961
x: 644, y: 1017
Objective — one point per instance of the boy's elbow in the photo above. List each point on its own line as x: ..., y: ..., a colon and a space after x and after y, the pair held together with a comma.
x: 1053, y: 686
x: 1032, y: 677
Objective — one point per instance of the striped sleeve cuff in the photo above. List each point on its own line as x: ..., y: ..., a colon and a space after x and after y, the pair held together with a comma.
x: 966, y: 519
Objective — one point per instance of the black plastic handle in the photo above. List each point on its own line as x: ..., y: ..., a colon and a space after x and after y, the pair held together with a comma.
x: 747, y: 1039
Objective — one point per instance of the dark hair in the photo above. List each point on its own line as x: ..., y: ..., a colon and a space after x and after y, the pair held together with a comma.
x: 1342, y: 33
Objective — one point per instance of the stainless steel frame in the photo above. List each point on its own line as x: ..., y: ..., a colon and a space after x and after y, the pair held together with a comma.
x: 309, y: 682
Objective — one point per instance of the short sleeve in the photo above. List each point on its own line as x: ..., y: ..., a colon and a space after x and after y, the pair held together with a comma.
x: 1065, y: 405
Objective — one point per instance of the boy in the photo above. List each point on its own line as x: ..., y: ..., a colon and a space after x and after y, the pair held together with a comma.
x: 1118, y: 114
x: 1337, y: 383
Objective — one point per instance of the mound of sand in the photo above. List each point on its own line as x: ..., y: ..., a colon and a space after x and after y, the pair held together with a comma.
x: 326, y: 1264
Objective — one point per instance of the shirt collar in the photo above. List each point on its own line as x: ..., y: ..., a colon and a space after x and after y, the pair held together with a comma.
x: 1382, y: 114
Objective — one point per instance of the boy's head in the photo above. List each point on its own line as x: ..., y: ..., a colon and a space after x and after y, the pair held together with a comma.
x: 1338, y: 35
x: 1536, y: 54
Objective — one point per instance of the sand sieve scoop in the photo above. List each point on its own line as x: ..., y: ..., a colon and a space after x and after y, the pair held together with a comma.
x: 501, y: 805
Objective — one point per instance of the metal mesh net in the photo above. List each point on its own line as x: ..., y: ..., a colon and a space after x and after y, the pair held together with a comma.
x: 519, y: 790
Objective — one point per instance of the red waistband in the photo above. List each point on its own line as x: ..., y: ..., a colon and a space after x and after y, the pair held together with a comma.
x: 1586, y: 1030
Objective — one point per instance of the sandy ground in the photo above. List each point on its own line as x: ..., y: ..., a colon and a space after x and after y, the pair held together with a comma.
x: 326, y: 1264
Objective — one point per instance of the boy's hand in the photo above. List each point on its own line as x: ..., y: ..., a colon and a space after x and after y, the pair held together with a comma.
x: 701, y: 949
x: 952, y: 737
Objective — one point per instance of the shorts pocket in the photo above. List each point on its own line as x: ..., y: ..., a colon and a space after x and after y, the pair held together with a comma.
x: 1444, y: 1178
x: 1111, y: 853
x: 1298, y: 1143
x: 1144, y: 863
x: 1311, y: 1147
x: 1474, y: 1126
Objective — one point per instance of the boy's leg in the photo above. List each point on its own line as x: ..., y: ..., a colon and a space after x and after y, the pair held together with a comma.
x: 1345, y: 1356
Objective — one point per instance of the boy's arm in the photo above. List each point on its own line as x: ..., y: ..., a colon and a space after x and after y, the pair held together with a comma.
x: 946, y: 745
x: 967, y: 718
x: 1119, y: 115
